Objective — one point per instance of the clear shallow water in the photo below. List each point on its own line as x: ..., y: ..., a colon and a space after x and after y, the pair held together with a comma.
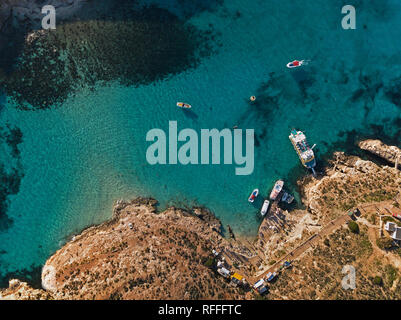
x: 79, y: 158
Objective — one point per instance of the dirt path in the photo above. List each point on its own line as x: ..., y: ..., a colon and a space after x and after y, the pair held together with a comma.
x: 297, y: 252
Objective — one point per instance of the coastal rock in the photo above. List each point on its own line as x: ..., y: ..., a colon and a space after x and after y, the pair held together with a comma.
x: 392, y: 154
x: 347, y: 181
x: 139, y: 254
x: 142, y: 254
x: 18, y: 290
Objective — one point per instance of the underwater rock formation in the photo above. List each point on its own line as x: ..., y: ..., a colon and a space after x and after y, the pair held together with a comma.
x: 131, y: 46
x: 11, y: 171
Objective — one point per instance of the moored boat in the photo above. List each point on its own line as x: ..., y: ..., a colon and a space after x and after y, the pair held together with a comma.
x: 278, y: 187
x: 288, y: 198
x: 184, y: 105
x: 265, y: 207
x: 253, y: 195
x: 296, y: 63
x: 305, y: 153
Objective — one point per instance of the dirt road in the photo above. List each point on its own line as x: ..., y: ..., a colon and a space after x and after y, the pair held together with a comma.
x: 297, y: 252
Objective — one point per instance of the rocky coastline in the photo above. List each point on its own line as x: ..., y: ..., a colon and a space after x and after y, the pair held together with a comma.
x: 391, y: 154
x: 142, y: 254
x: 138, y: 254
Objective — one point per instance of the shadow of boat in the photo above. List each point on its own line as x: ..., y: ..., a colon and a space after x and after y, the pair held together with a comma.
x: 190, y: 114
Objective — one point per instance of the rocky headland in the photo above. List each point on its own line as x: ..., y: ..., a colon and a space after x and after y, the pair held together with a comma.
x: 138, y: 254
x: 142, y: 254
x: 391, y: 154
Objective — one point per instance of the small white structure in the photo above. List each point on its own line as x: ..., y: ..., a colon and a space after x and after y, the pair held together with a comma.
x: 215, y: 253
x: 224, y: 272
x: 260, y: 286
x: 270, y: 276
x: 390, y: 226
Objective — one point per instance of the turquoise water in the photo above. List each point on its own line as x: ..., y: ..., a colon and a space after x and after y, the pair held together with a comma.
x: 78, y: 158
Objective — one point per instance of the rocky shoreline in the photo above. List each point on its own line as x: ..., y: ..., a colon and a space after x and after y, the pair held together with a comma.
x: 391, y: 154
x: 142, y: 254
x: 138, y: 254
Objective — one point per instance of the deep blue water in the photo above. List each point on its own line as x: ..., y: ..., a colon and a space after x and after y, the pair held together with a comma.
x: 74, y: 160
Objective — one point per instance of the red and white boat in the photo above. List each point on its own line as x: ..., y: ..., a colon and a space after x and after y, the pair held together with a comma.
x: 253, y: 195
x: 296, y: 63
x: 278, y: 186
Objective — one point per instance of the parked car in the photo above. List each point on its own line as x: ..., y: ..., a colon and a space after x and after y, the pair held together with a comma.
x: 270, y: 276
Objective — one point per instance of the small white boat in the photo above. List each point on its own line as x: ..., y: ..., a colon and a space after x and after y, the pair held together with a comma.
x: 184, y: 105
x: 296, y: 63
x: 253, y: 195
x: 278, y: 186
x: 265, y: 207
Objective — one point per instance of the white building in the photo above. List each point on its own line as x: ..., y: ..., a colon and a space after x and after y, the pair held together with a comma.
x: 224, y: 272
x: 396, y: 235
x: 390, y: 226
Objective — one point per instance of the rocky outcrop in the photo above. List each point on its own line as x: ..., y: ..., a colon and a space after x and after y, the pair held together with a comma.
x: 18, y: 290
x: 139, y: 254
x: 348, y: 182
x: 392, y: 154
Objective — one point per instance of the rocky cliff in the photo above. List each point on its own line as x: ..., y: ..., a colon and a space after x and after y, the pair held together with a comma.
x: 18, y: 290
x: 392, y: 154
x: 349, y: 181
x: 138, y: 254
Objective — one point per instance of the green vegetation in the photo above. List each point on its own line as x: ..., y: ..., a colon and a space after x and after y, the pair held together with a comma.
x: 391, y: 219
x: 391, y: 274
x: 209, y: 262
x: 364, y: 246
x: 353, y: 226
x: 384, y: 243
x: 378, y: 281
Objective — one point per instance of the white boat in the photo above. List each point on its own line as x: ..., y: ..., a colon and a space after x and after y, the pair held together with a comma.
x: 301, y: 146
x: 296, y: 63
x: 253, y: 195
x: 184, y: 105
x: 278, y: 186
x: 265, y: 207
